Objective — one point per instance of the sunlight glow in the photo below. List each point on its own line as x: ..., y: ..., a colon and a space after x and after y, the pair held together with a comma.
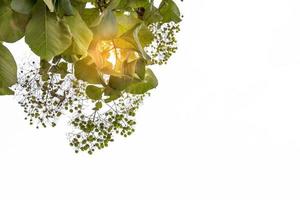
x: 112, y: 57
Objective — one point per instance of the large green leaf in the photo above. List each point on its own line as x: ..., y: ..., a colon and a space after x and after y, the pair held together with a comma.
x: 91, y: 16
x: 94, y: 92
x: 119, y: 83
x: 8, y: 71
x: 141, y: 87
x: 107, y: 29
x: 126, y: 21
x: 80, y: 6
x: 24, y: 6
x: 143, y: 36
x: 140, y: 36
x: 169, y: 11
x: 81, y: 33
x: 12, y: 24
x: 86, y: 70
x: 152, y: 15
x: 45, y: 34
x: 65, y: 8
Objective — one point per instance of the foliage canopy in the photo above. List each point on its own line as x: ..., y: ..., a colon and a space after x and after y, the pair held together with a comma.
x: 90, y: 50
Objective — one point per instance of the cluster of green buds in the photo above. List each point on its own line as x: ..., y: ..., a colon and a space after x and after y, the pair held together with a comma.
x: 45, y: 95
x: 164, y: 44
x: 97, y: 129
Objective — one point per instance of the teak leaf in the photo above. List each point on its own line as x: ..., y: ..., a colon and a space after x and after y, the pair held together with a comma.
x: 23, y: 7
x: 94, y: 92
x: 81, y: 33
x: 107, y: 28
x: 45, y: 34
x: 12, y: 24
x: 86, y: 70
x: 8, y: 71
x: 141, y: 87
x: 169, y: 11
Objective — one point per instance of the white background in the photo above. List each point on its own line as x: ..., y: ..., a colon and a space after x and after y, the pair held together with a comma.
x: 223, y: 124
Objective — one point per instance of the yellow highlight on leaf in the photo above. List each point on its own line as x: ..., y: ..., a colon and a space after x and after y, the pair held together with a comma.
x: 111, y: 59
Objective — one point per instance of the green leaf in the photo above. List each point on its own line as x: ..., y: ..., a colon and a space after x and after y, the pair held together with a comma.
x: 8, y: 71
x: 82, y: 35
x: 94, y: 92
x: 152, y: 15
x: 12, y: 24
x: 144, y: 36
x: 24, y: 6
x: 112, y: 98
x: 86, y: 70
x: 112, y: 94
x: 80, y: 6
x: 140, y: 68
x: 114, y: 4
x: 140, y: 36
x: 91, y: 16
x: 126, y: 22
x: 141, y: 87
x: 118, y: 4
x: 123, y: 4
x: 45, y: 34
x: 6, y: 91
x: 129, y: 68
x: 65, y: 8
x: 169, y: 11
x: 143, y: 39
x: 119, y: 83
x: 138, y: 3
x: 98, y: 105
x: 107, y: 29
x: 84, y: 1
